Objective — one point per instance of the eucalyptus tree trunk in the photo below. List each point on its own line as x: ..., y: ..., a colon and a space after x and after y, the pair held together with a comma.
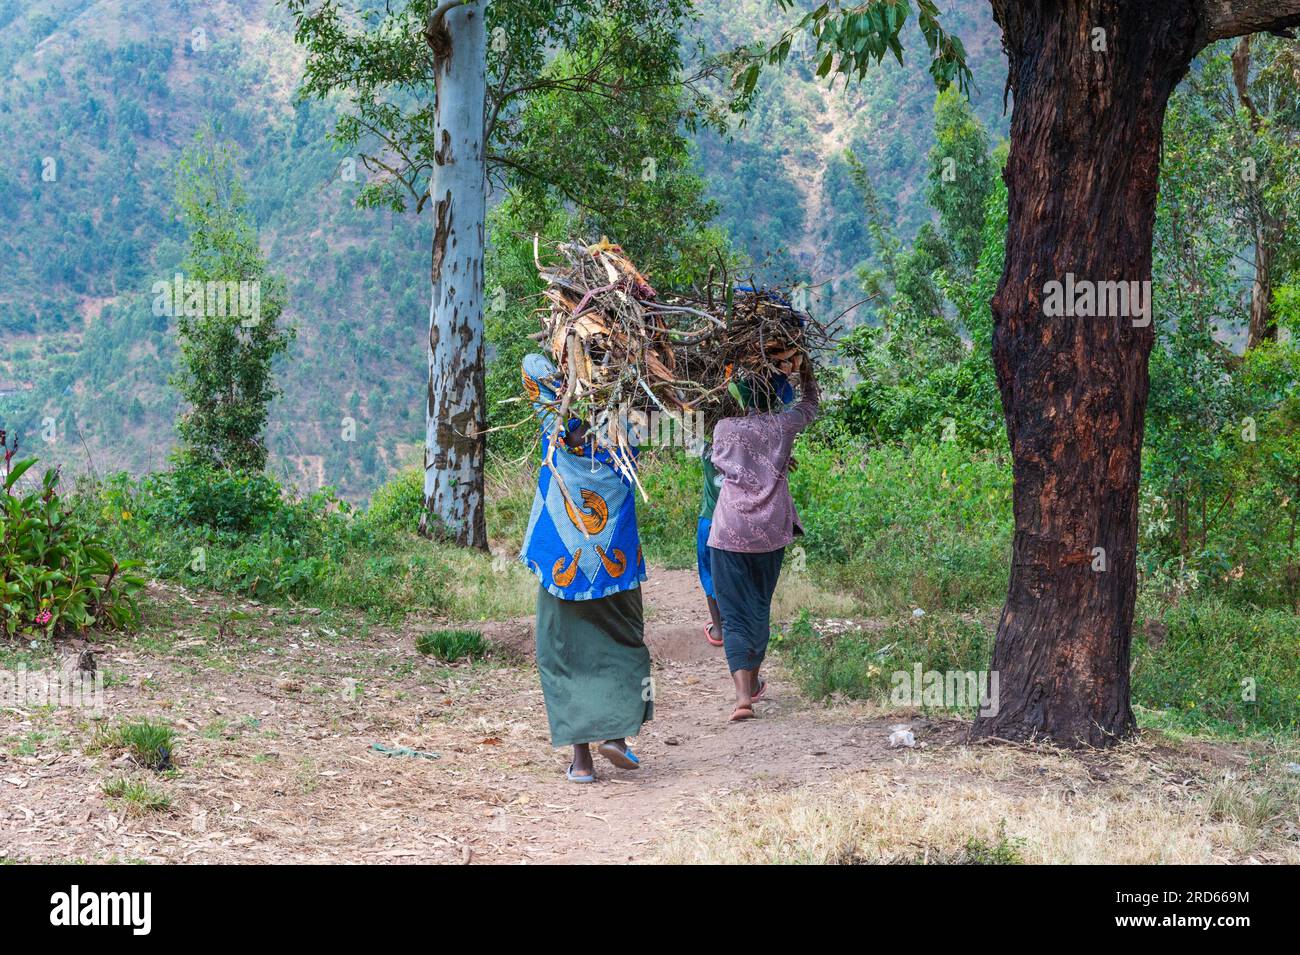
x: 1266, y: 227
x: 455, y: 419
x: 1263, y: 323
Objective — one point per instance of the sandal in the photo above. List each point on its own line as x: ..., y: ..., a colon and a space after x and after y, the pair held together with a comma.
x: 708, y: 635
x: 762, y: 688
x: 622, y: 758
x: 577, y: 777
x: 742, y: 713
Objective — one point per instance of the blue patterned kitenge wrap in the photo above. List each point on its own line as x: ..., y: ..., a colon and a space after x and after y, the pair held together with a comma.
x: 585, y: 546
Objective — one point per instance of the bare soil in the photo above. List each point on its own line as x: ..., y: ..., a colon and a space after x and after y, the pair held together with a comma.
x: 276, y: 716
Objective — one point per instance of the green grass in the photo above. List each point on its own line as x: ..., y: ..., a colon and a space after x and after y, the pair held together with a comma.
x: 1005, y: 851
x: 861, y: 664
x: 152, y: 744
x: 135, y: 796
x: 1220, y: 668
x: 1197, y: 679
x: 928, y: 526
x: 452, y: 645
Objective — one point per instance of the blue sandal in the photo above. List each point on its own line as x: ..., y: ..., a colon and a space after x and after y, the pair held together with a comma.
x: 622, y: 758
x: 577, y: 778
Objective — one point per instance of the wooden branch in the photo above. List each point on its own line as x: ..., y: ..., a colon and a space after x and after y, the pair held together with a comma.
x: 434, y: 23
x: 434, y: 28
x: 1224, y: 19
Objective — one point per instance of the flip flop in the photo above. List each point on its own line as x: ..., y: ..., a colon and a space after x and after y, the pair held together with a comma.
x: 757, y: 694
x: 708, y: 635
x: 622, y: 758
x: 577, y: 778
x: 742, y: 713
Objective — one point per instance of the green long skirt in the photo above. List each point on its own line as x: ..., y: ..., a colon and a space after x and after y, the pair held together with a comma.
x: 595, y: 666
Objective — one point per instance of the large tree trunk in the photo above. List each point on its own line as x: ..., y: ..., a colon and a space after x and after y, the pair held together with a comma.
x: 456, y: 415
x: 1081, y: 179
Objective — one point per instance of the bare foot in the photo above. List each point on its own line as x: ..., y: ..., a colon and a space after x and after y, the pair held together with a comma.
x: 582, y: 765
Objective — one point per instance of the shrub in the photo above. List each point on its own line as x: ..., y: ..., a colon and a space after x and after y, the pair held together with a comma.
x: 1210, y: 663
x: 242, y: 533
x: 398, y: 503
x: 56, y: 574
x: 452, y: 645
x: 236, y: 502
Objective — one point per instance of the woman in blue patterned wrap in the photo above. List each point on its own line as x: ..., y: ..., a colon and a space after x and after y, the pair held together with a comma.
x: 583, y: 545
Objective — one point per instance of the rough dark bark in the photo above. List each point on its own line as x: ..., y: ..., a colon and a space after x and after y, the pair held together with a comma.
x: 1082, y: 179
x: 1225, y: 19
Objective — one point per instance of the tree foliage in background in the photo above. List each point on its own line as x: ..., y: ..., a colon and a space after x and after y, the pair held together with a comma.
x: 614, y: 55
x: 225, y: 362
x: 925, y: 368
x: 1222, y: 451
x: 1237, y: 124
x: 849, y: 39
x: 446, y: 149
x: 655, y: 208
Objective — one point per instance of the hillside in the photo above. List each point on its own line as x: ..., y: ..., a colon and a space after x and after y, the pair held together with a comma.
x: 101, y: 95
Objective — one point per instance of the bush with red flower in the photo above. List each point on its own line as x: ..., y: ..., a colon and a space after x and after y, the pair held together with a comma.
x: 56, y: 576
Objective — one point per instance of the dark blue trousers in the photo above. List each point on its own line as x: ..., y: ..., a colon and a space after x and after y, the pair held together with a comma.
x: 743, y: 585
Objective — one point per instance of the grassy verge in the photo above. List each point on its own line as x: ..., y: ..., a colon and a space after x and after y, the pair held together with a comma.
x: 1146, y: 802
x: 1200, y: 667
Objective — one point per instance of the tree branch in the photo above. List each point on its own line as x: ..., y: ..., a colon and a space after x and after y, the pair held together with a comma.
x: 434, y: 22
x: 1225, y: 19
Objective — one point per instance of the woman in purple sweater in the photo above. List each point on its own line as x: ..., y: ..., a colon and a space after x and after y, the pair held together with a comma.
x: 753, y: 522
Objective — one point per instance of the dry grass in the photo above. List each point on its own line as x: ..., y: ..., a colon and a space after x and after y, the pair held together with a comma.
x: 1143, y: 803
x: 490, y: 588
x: 796, y: 592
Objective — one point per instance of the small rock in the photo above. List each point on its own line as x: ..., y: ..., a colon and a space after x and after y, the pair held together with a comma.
x: 918, y: 612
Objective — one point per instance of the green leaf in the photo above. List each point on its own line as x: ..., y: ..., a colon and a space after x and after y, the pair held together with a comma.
x: 17, y: 472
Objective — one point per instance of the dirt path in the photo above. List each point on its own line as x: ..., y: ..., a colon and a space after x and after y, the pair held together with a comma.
x: 276, y: 716
x: 276, y: 762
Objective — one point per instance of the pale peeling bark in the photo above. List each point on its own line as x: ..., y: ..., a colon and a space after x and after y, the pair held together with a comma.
x: 456, y: 413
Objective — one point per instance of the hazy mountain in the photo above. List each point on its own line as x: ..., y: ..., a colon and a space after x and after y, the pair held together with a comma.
x: 100, y: 96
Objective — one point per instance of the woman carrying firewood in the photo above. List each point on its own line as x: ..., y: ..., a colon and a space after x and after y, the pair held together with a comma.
x: 582, y: 543
x: 754, y: 520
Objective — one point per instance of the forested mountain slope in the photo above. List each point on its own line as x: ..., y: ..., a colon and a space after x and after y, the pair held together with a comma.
x: 100, y: 97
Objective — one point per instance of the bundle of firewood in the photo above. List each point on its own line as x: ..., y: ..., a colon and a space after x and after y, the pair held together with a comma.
x: 620, y: 346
